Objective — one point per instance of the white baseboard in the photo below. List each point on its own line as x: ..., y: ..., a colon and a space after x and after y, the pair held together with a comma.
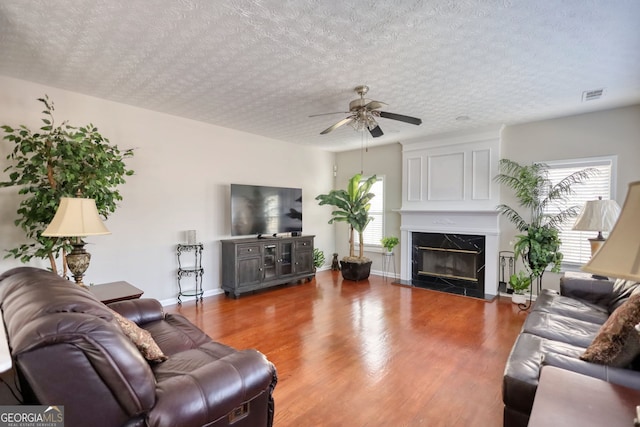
x: 174, y: 301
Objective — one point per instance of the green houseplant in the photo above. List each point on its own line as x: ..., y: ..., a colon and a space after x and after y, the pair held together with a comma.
x: 59, y: 161
x: 389, y: 242
x: 538, y: 245
x: 352, y: 206
x: 318, y: 258
x: 519, y: 283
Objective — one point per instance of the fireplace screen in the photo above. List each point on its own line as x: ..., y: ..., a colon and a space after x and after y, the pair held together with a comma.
x: 450, y: 263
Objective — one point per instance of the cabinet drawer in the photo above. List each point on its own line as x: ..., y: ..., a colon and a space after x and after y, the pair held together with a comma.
x: 247, y: 250
x: 304, y: 244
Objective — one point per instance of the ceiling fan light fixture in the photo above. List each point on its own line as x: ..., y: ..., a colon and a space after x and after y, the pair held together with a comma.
x: 363, y: 113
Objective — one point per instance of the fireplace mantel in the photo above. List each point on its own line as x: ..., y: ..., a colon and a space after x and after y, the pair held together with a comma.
x: 448, y: 221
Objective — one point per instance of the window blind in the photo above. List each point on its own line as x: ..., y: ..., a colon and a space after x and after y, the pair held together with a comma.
x: 374, y: 231
x: 575, y: 245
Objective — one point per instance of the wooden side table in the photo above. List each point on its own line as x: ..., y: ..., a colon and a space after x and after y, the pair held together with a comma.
x: 567, y: 399
x: 115, y: 291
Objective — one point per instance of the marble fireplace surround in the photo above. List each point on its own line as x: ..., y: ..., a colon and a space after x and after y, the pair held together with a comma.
x: 448, y: 187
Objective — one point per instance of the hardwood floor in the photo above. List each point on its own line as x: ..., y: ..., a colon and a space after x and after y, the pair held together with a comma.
x: 371, y: 353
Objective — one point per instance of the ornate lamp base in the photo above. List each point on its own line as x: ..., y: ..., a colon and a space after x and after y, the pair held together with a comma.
x: 596, y: 244
x: 78, y: 261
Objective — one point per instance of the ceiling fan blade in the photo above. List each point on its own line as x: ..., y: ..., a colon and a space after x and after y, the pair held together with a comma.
x: 376, y: 132
x: 326, y: 114
x: 400, y: 117
x: 337, y: 125
x: 374, y: 105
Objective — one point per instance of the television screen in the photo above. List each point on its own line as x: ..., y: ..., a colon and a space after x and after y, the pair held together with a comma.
x: 257, y: 209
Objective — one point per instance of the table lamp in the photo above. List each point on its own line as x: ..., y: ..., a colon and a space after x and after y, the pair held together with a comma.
x: 619, y: 256
x: 76, y: 218
x: 597, y: 215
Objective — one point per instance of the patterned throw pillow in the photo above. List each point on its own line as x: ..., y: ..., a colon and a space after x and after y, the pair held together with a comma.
x: 141, y: 338
x: 617, y: 342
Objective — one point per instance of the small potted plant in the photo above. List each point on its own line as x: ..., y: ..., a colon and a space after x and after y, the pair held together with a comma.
x: 389, y: 242
x: 318, y: 258
x: 519, y: 283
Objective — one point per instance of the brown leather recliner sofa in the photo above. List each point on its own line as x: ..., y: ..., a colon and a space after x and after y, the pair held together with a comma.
x: 557, y: 331
x: 68, y: 350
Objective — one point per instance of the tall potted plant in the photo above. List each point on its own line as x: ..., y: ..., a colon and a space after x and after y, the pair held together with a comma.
x: 59, y: 161
x: 352, y: 206
x: 538, y: 245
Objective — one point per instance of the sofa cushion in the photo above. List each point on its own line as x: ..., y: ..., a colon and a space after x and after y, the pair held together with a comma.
x: 561, y: 328
x: 141, y: 338
x: 551, y: 302
x: 175, y: 334
x: 622, y: 290
x: 617, y: 342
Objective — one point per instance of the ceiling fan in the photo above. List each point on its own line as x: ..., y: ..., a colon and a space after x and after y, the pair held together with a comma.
x: 363, y: 112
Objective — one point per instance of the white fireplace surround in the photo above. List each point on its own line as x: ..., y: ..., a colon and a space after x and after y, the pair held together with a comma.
x: 479, y: 223
x: 448, y: 187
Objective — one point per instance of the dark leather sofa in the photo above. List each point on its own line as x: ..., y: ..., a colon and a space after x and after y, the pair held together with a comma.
x: 67, y: 350
x: 557, y: 331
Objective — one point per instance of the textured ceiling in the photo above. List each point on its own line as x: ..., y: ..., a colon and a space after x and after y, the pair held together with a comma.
x: 265, y: 66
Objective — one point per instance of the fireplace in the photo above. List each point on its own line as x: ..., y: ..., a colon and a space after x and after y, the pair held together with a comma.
x: 447, y: 262
x: 448, y: 191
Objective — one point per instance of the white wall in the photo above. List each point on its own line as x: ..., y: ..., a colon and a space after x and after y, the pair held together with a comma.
x: 183, y: 169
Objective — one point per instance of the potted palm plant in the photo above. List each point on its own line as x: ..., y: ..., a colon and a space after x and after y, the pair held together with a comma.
x: 539, y: 244
x: 352, y: 206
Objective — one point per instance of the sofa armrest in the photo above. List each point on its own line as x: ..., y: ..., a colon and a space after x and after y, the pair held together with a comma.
x: 140, y: 311
x: 624, y: 377
x: 212, y: 391
x: 594, y: 291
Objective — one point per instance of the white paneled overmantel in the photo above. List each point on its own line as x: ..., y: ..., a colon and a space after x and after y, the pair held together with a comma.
x: 453, y: 172
x: 448, y: 187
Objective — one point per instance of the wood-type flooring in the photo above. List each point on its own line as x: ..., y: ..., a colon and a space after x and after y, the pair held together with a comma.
x: 371, y: 353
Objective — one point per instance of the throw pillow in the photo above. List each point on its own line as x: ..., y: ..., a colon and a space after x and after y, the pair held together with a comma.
x: 141, y: 338
x: 617, y: 342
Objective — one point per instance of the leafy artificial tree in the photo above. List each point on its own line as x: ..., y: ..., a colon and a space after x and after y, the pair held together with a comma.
x: 59, y: 161
x: 539, y: 245
x: 352, y: 206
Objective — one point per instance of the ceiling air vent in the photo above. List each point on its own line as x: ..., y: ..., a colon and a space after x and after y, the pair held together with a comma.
x: 591, y: 95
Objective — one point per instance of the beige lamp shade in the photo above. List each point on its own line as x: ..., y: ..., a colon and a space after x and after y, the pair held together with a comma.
x: 76, y: 217
x: 619, y: 257
x: 598, y: 215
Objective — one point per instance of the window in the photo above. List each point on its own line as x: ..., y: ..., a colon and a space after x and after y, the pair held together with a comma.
x: 575, y: 245
x: 375, y: 230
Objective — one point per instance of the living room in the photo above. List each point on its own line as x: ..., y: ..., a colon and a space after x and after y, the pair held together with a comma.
x: 169, y: 193
x: 184, y: 165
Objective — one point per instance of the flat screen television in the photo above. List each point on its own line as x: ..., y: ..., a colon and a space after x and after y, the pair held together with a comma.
x: 256, y: 209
